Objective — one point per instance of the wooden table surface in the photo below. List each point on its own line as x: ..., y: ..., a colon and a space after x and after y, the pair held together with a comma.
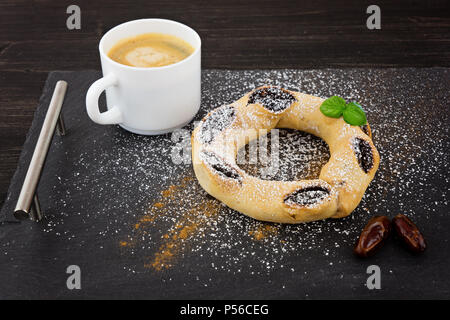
x: 239, y: 34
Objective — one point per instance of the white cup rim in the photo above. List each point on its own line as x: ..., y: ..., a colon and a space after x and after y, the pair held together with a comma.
x: 105, y: 56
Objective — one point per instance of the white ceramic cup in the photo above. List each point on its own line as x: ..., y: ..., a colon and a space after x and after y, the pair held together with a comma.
x: 147, y: 100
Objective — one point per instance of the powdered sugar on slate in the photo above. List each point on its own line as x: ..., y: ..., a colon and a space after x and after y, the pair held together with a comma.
x: 128, y: 172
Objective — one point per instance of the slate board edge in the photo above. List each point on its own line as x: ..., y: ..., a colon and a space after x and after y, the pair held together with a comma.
x: 30, y: 139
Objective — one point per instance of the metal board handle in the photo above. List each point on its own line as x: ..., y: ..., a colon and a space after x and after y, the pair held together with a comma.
x: 28, y: 206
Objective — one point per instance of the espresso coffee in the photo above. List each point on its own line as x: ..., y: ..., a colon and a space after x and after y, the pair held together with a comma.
x: 150, y: 50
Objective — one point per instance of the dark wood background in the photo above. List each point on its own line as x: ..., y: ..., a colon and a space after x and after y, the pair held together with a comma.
x: 236, y: 34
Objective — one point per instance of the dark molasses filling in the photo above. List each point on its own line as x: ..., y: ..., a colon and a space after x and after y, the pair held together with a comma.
x: 217, y: 121
x: 365, y: 129
x: 363, y: 152
x: 272, y: 98
x: 307, y: 196
x: 220, y: 166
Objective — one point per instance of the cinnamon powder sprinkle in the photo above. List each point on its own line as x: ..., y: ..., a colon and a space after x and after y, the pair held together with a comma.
x: 159, y: 205
x: 175, y: 240
x: 231, y: 242
x: 262, y: 232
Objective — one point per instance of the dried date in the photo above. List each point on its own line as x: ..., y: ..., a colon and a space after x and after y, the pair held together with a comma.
x: 373, y: 236
x: 409, y: 233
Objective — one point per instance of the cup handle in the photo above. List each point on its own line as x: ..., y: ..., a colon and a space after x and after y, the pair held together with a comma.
x: 113, y: 115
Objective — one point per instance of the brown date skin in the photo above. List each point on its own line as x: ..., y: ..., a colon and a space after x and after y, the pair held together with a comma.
x: 409, y: 233
x: 373, y: 236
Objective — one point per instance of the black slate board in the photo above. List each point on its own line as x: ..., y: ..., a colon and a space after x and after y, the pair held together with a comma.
x: 99, y: 181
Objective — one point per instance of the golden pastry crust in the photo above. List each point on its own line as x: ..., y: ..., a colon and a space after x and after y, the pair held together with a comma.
x: 342, y: 182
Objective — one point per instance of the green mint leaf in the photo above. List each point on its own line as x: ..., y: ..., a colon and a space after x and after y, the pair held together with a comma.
x: 333, y: 107
x: 354, y: 114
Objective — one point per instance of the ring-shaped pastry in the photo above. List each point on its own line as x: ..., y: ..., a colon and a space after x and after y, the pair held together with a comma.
x: 342, y: 182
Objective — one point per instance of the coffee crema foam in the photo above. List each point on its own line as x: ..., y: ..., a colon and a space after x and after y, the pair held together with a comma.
x: 150, y: 50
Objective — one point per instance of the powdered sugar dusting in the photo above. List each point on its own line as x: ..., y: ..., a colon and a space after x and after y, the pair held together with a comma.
x: 217, y: 121
x: 307, y: 196
x: 272, y: 98
x: 136, y: 182
x: 302, y: 157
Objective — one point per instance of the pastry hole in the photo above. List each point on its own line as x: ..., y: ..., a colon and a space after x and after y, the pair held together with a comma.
x: 300, y: 156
